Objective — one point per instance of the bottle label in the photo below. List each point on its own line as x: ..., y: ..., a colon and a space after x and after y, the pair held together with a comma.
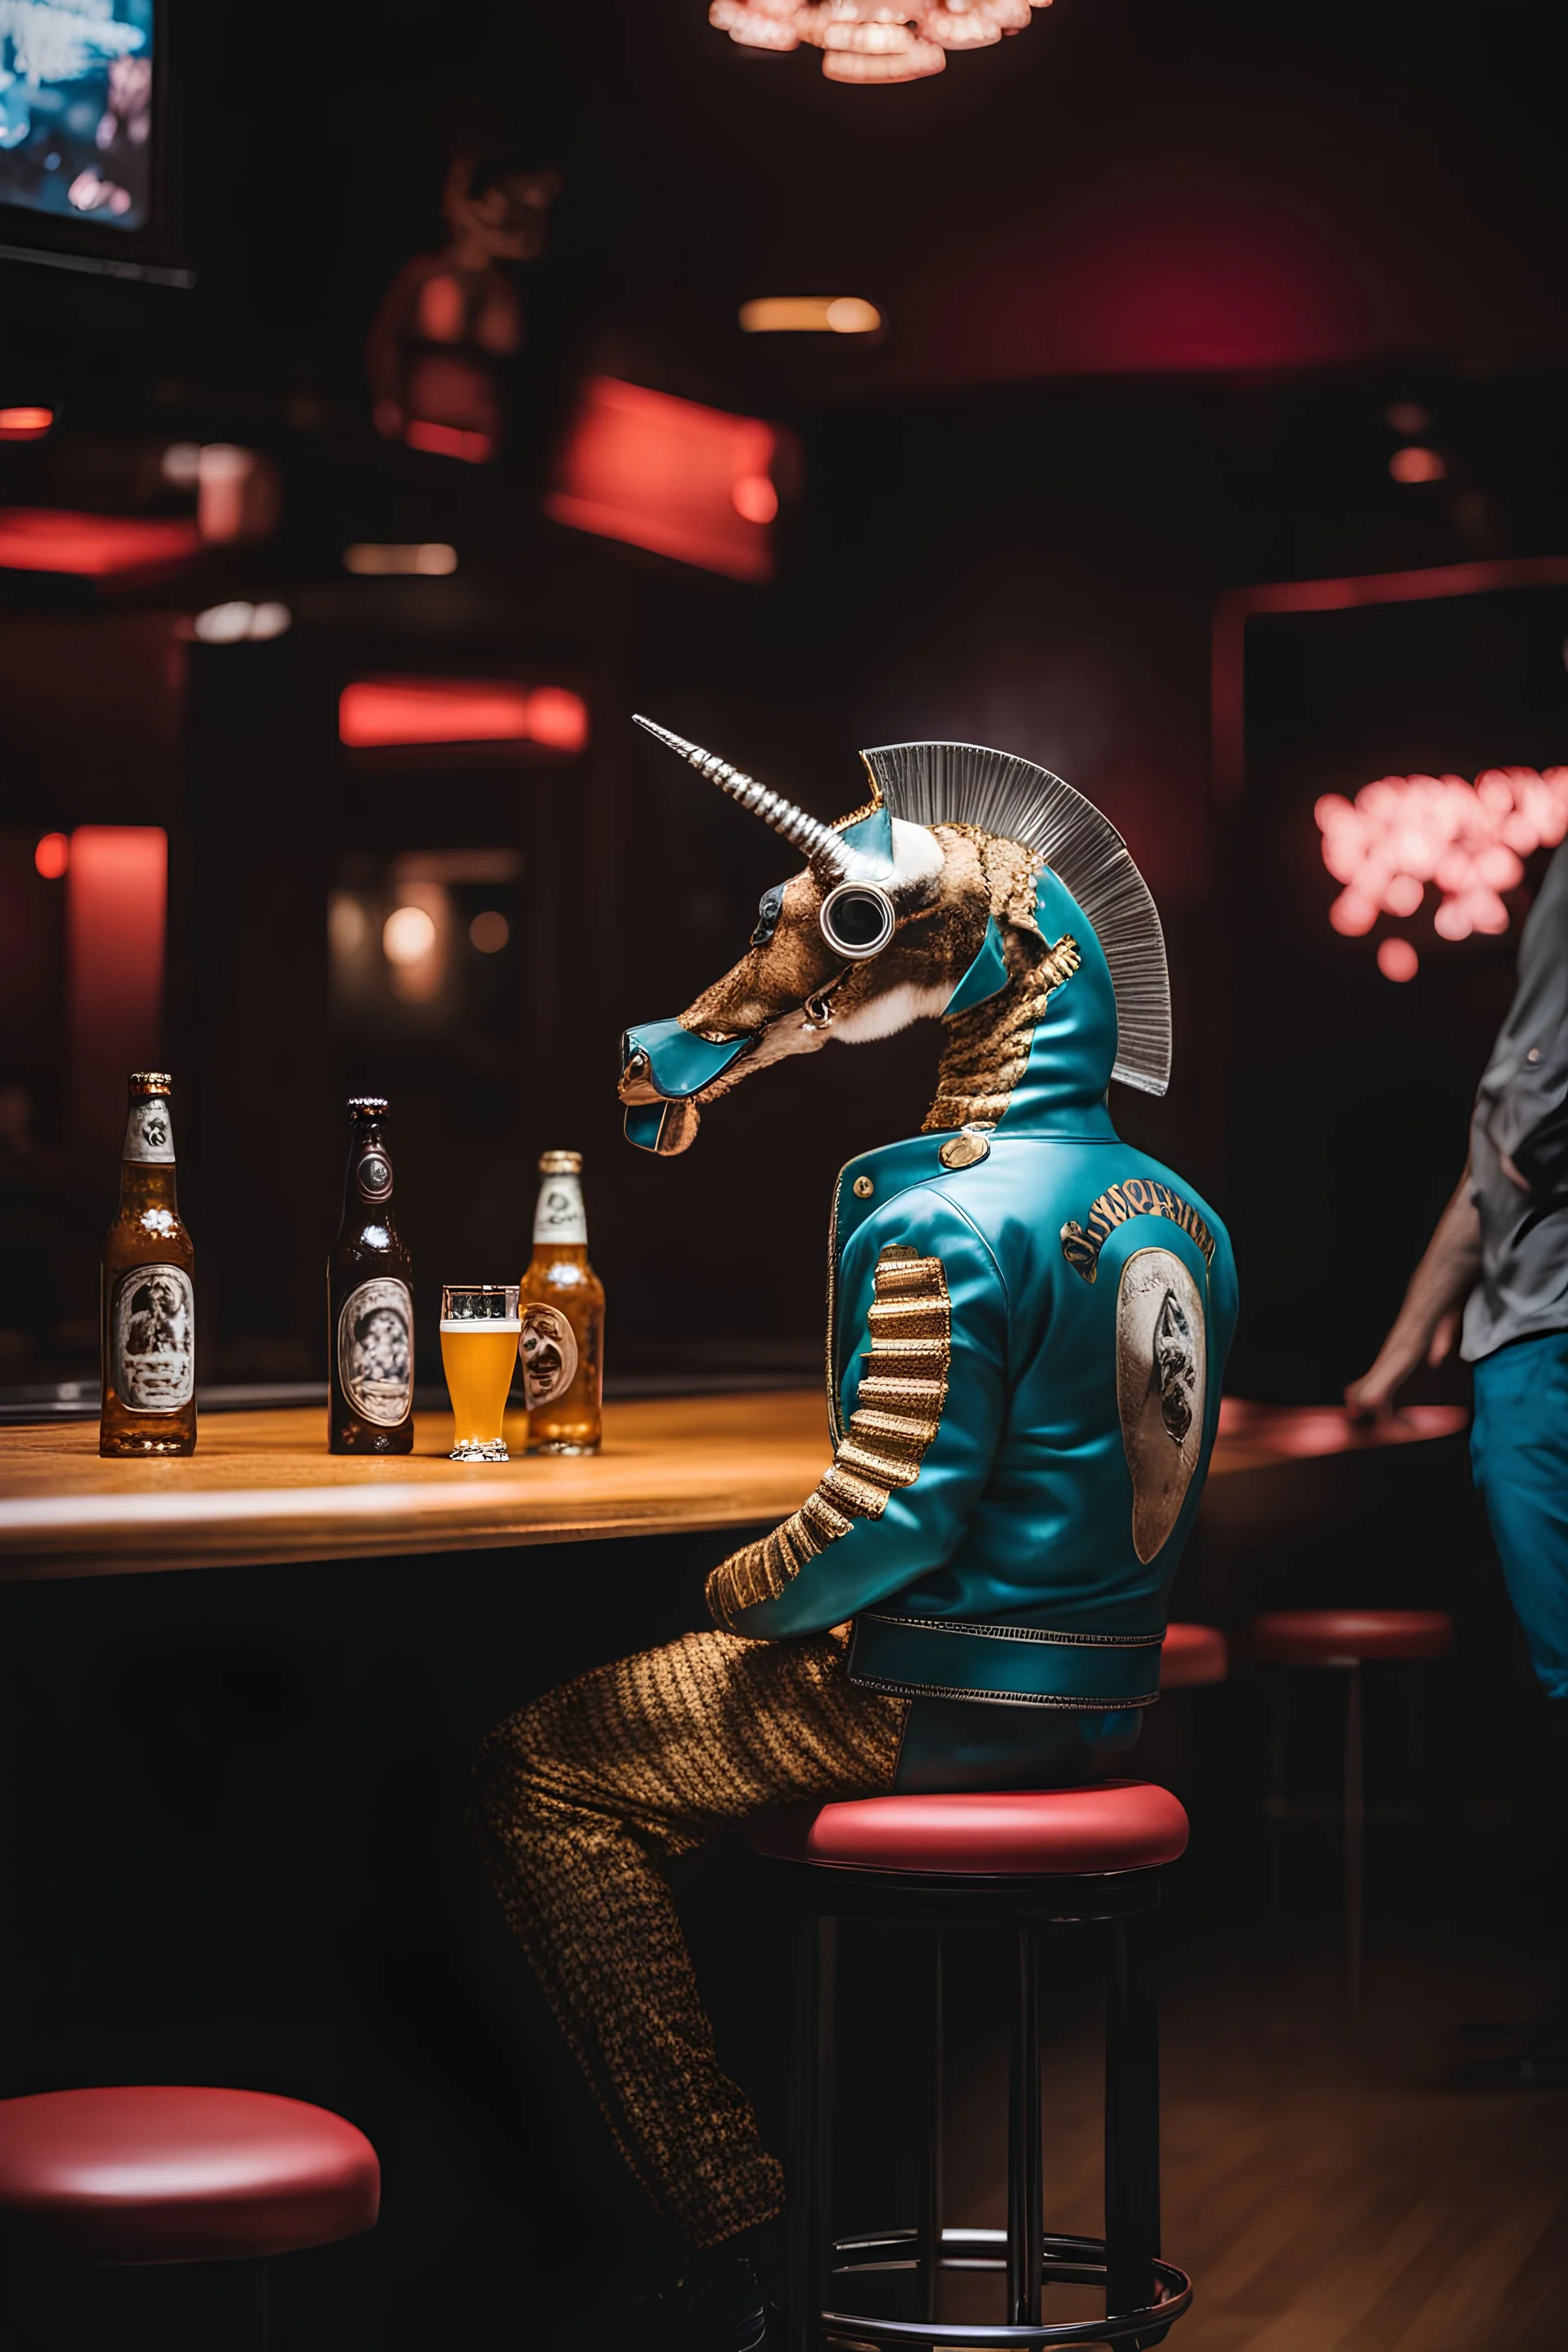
x: 372, y: 1175
x: 548, y: 1352
x: 559, y: 1216
x: 150, y: 1132
x: 375, y: 1350
x: 152, y: 1338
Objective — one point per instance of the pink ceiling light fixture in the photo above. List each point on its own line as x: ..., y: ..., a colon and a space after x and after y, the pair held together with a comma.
x: 1468, y: 840
x: 869, y: 41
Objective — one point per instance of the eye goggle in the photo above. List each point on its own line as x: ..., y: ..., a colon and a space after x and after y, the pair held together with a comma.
x: 857, y: 919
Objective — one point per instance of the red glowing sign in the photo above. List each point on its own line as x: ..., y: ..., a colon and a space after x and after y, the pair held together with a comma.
x: 116, y: 901
x: 89, y: 546
x: 409, y: 710
x: 52, y: 856
x: 1403, y: 832
x: 691, y: 482
x: 447, y: 441
x: 24, y: 424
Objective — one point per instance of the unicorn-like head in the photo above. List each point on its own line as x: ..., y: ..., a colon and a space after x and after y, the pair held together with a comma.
x: 926, y: 902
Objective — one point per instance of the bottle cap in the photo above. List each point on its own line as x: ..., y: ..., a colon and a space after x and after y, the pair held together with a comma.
x: 367, y: 1105
x: 151, y: 1082
x: 561, y: 1164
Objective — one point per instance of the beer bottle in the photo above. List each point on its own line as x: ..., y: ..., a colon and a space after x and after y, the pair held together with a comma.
x: 370, y: 1307
x: 562, y: 1354
x: 148, y: 1302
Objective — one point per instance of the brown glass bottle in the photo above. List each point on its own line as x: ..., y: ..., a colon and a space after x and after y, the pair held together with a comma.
x: 149, y: 1307
x: 564, y: 1366
x: 370, y: 1303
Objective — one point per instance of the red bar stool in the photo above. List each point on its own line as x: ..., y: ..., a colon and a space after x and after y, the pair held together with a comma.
x: 139, y: 2176
x: 1342, y: 1640
x: 1190, y: 1656
x: 1029, y: 1861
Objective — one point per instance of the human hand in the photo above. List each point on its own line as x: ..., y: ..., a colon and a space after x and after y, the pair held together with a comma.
x: 1372, y: 1396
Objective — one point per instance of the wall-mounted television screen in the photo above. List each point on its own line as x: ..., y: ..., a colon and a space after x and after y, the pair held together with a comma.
x: 83, y: 96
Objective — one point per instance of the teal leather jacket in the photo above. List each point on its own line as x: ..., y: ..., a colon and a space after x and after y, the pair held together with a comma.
x: 1025, y: 1354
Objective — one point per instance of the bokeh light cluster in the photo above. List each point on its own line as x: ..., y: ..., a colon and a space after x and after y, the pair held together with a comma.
x: 873, y: 40
x: 1469, y: 842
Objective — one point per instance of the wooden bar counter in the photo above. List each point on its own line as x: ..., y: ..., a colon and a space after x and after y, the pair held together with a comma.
x: 261, y: 1487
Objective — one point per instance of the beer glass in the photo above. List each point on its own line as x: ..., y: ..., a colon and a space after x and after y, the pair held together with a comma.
x: 479, y: 1331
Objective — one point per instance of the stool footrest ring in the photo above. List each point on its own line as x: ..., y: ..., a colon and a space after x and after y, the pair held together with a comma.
x: 1068, y: 2262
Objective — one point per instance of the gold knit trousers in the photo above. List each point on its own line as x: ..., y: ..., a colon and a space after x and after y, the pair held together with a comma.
x: 585, y: 1799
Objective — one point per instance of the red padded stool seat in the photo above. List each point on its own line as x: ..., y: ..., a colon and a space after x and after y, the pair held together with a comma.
x: 1047, y: 1833
x: 1027, y: 1862
x: 1344, y: 1637
x: 176, y: 2175
x: 1192, y: 1654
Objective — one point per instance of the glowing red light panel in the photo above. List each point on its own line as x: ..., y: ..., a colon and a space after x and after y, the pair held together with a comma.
x: 89, y: 546
x: 447, y: 441
x: 1403, y: 832
x: 1417, y: 466
x: 24, y: 424
x: 387, y: 711
x: 52, y: 856
x: 116, y: 901
x: 669, y: 476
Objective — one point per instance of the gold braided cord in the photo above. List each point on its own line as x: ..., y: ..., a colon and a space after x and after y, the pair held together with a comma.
x: 897, y: 1415
x: 988, y: 1047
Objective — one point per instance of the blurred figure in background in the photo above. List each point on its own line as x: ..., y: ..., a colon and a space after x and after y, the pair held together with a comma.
x: 451, y: 324
x: 1496, y: 1270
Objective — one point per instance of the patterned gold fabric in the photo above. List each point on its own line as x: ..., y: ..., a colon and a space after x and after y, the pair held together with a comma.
x: 897, y: 1415
x: 988, y: 1048
x: 584, y: 1800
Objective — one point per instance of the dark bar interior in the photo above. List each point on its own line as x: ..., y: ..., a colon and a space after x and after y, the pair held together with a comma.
x: 520, y: 1820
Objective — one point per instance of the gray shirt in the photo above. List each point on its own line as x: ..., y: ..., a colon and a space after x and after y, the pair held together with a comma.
x: 1521, y: 1111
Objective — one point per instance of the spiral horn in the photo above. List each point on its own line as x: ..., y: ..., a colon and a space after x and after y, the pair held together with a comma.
x: 827, y: 850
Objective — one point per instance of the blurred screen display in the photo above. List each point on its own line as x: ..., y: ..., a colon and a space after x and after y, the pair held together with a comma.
x: 76, y: 109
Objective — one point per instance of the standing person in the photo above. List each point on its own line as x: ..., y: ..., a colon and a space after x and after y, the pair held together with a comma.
x: 1497, y: 1267
x: 1027, y: 1320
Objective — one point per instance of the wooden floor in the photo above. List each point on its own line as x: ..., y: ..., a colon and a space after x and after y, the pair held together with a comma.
x: 1325, y: 2198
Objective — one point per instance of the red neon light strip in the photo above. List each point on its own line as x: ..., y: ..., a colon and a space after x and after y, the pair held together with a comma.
x: 662, y: 473
x: 411, y: 710
x: 89, y: 546
x: 1236, y: 607
x: 24, y: 424
x: 447, y: 441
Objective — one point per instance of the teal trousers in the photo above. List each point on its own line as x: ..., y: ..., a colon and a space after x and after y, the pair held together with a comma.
x: 1519, y: 1449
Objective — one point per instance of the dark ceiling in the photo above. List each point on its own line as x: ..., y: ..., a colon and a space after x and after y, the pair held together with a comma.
x: 1130, y: 185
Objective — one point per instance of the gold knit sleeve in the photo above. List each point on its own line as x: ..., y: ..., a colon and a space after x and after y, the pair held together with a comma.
x: 897, y: 1415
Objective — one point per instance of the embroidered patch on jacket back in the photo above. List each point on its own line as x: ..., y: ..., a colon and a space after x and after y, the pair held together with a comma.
x: 1162, y: 1384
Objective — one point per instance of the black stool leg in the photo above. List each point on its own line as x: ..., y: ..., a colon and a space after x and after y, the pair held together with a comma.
x: 1276, y: 1802
x: 1132, y: 2117
x: 931, y: 2181
x: 811, y: 2131
x: 1355, y: 1820
x: 1026, y: 2186
x: 265, y: 2270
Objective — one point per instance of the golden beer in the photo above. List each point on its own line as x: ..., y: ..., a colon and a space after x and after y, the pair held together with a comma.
x: 563, y: 1347
x: 149, y: 1309
x: 480, y: 1333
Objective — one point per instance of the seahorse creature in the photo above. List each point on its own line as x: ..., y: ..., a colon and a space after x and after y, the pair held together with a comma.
x: 1021, y: 1309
